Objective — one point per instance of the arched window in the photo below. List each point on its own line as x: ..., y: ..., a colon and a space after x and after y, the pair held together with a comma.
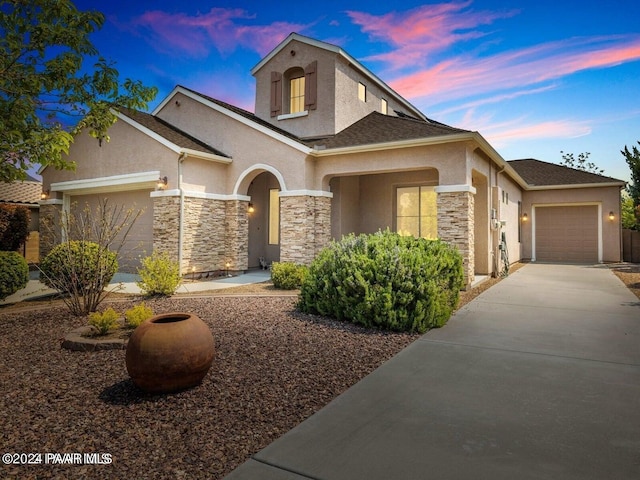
x: 294, y: 91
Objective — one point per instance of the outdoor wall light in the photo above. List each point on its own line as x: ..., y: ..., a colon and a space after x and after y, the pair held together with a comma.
x: 524, y: 217
x: 250, y: 208
x: 612, y: 216
x: 44, y: 195
x: 162, y: 183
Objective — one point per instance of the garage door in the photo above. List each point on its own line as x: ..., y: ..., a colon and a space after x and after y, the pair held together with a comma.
x: 567, y: 234
x: 139, y: 241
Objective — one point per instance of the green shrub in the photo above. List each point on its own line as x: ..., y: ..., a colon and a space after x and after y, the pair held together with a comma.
x: 287, y: 275
x: 14, y: 273
x: 79, y: 268
x: 138, y: 314
x: 159, y: 274
x: 104, y: 321
x: 385, y: 280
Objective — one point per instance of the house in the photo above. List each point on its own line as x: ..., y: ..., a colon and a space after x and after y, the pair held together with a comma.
x: 331, y: 149
x: 27, y: 194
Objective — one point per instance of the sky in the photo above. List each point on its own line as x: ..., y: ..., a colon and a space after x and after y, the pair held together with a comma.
x: 534, y: 78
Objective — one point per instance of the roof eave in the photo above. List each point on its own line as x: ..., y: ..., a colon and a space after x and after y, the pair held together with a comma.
x: 576, y: 185
x: 205, y: 156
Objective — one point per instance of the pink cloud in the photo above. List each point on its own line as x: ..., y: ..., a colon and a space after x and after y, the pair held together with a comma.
x: 421, y: 32
x: 466, y: 76
x: 220, y: 28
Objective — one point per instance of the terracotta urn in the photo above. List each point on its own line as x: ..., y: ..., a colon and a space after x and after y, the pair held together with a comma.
x: 170, y: 352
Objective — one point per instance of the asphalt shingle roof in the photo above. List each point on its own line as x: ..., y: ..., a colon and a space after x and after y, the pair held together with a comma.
x: 536, y: 172
x: 171, y: 133
x: 20, y: 192
x: 379, y: 128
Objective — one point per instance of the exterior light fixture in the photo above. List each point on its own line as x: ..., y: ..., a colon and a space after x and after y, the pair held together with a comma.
x: 250, y: 208
x: 524, y: 217
x: 227, y: 266
x: 44, y: 195
x: 162, y: 183
x: 612, y: 216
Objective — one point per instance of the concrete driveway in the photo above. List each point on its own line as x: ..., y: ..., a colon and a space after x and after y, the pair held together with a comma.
x: 537, y: 378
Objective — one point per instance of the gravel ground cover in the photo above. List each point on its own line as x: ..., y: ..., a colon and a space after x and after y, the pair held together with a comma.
x: 273, y: 368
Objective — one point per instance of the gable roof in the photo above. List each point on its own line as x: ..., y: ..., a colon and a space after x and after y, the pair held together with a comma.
x: 350, y: 60
x: 545, y: 174
x: 27, y: 192
x: 380, y: 128
x: 167, y: 131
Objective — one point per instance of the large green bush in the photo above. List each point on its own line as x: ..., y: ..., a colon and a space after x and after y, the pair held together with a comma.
x: 159, y: 275
x: 287, y: 275
x: 81, y: 269
x: 14, y: 273
x: 385, y: 280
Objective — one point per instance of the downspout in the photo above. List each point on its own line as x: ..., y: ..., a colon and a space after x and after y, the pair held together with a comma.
x: 181, y: 158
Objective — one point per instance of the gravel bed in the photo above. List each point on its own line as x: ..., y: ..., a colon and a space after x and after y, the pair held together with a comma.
x: 273, y: 368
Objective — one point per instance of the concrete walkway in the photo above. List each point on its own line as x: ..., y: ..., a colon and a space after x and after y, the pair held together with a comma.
x: 537, y: 378
x: 126, y: 283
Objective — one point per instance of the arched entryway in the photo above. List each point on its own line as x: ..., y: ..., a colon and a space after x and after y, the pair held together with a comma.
x: 264, y: 220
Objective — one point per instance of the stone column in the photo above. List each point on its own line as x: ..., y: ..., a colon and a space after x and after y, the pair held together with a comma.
x: 236, y: 235
x: 166, y: 224
x: 305, y: 227
x: 204, y: 235
x: 50, y: 228
x: 456, y: 224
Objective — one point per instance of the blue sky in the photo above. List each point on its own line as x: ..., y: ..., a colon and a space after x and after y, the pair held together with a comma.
x: 534, y: 78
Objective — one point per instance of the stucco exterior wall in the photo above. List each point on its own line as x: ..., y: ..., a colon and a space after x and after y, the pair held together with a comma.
x: 607, y: 197
x: 128, y: 151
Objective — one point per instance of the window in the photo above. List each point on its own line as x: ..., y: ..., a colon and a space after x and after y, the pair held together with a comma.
x: 417, y: 212
x: 384, y: 107
x: 362, y: 92
x: 296, y: 99
x: 274, y: 216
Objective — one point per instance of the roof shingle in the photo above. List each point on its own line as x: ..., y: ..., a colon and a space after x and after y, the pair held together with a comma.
x: 20, y: 192
x: 537, y: 172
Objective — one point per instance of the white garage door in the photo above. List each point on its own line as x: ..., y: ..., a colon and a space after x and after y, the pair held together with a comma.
x: 567, y: 234
x: 139, y: 241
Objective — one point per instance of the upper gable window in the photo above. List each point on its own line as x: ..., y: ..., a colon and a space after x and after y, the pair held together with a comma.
x: 362, y: 92
x: 296, y: 95
x: 384, y: 107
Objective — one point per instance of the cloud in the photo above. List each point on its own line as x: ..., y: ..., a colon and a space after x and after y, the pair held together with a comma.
x: 420, y: 33
x: 221, y: 28
x: 461, y: 77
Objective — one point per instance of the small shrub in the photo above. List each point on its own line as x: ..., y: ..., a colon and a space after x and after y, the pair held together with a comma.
x: 138, y: 314
x: 159, y: 275
x: 287, y: 275
x: 104, y: 321
x: 14, y: 273
x: 82, y: 270
x: 385, y: 281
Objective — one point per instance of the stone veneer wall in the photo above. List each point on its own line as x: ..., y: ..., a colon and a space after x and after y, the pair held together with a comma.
x: 456, y: 226
x: 305, y: 227
x: 166, y: 225
x: 49, y: 227
x: 214, y: 232
x: 236, y: 240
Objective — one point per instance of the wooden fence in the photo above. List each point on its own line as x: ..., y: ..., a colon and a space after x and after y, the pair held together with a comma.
x: 631, y: 246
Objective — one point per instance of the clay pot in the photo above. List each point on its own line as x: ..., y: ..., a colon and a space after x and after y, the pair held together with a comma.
x: 170, y: 352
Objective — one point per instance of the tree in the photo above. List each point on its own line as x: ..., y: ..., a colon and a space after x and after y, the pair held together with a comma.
x: 47, y: 92
x: 14, y: 227
x: 633, y: 160
x: 580, y: 163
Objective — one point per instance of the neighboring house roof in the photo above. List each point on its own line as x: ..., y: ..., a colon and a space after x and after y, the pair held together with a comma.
x: 169, y: 132
x: 355, y: 63
x: 27, y: 192
x: 539, y: 173
x: 379, y: 128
